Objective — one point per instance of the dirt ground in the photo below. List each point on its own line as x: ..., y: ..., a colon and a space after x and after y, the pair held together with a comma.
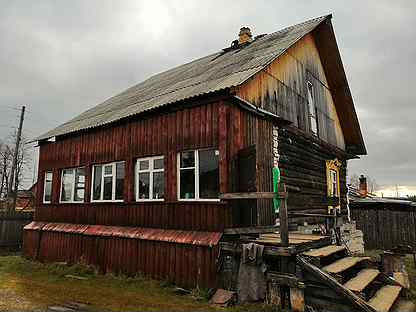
x: 32, y: 286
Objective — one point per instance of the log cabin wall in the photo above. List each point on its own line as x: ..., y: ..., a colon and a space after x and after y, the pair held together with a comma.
x: 216, y: 125
x: 302, y: 164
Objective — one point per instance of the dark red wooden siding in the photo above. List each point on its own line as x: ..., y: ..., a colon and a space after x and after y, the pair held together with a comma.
x: 183, y: 264
x: 217, y: 125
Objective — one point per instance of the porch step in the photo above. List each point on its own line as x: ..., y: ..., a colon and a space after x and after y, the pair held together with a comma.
x: 343, y: 264
x: 384, y: 298
x: 324, y: 251
x: 362, y: 280
x: 404, y: 306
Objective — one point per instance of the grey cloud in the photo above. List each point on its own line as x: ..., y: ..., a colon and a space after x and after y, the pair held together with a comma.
x: 61, y: 58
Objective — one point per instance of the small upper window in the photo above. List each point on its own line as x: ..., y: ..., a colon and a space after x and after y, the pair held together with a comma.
x: 73, y: 185
x: 198, y: 176
x: 150, y: 179
x: 312, y: 109
x: 108, y: 182
x: 47, y: 189
x: 333, y: 183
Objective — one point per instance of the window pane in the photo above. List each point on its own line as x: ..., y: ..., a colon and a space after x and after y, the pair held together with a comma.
x: 158, y: 185
x: 144, y: 182
x: 119, y: 180
x: 67, y: 184
x: 187, y: 183
x: 208, y: 174
x: 108, y: 169
x: 158, y: 163
x: 187, y: 159
x: 79, y: 184
x: 144, y: 165
x: 314, y: 125
x: 48, y: 187
x: 108, y: 188
x: 97, y: 182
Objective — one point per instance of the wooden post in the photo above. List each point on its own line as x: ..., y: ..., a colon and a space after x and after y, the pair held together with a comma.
x: 274, y: 294
x: 283, y: 219
x: 297, y: 299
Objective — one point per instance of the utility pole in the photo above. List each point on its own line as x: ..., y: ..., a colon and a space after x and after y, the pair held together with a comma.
x: 13, y: 170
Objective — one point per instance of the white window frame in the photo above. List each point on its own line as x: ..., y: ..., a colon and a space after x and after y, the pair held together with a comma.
x: 196, y: 174
x: 73, y: 186
x: 151, y: 170
x: 113, y: 189
x: 44, y: 186
x: 312, y: 112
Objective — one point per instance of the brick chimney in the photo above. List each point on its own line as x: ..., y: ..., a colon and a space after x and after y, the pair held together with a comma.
x: 245, y: 35
x: 363, y: 186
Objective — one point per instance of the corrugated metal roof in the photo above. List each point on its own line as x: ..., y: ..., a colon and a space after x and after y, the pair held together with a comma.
x: 200, y: 238
x: 215, y: 72
x: 34, y: 225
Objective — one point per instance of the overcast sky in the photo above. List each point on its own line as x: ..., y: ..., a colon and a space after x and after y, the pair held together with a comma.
x: 62, y: 57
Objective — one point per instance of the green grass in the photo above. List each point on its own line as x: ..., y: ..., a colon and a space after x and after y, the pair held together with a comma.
x: 26, y: 286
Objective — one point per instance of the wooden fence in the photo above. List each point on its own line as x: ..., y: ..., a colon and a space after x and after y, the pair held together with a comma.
x: 11, y: 227
x: 385, y: 224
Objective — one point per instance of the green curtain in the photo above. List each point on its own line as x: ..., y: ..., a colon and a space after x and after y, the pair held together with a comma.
x: 276, y: 179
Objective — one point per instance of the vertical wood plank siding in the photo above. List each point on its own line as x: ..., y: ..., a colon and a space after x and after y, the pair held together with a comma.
x: 216, y: 125
x: 163, y: 134
x: 385, y: 225
x: 183, y: 264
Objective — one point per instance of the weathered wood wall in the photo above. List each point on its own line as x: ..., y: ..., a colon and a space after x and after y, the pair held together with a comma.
x: 302, y: 164
x: 11, y: 227
x: 281, y: 88
x: 385, y: 225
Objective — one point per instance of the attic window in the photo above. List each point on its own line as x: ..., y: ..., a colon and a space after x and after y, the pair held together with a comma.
x: 313, y: 124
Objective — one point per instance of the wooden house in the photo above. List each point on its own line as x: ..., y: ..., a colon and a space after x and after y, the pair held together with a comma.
x: 139, y: 183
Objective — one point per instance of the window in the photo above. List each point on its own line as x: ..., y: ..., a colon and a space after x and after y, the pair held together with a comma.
x: 108, y: 182
x: 333, y: 186
x: 73, y: 185
x: 333, y: 183
x: 198, y: 175
x: 47, y: 189
x: 150, y: 179
x: 312, y: 110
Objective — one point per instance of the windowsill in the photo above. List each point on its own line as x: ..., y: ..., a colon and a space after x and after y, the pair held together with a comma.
x: 198, y: 199
x: 106, y: 201
x: 71, y: 202
x: 149, y: 200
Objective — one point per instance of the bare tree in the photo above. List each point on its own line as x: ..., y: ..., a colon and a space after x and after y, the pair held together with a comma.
x: 22, y: 166
x: 5, y: 167
x: 354, y: 181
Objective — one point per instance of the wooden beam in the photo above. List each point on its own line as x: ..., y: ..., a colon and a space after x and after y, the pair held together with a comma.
x: 283, y: 220
x: 334, y: 284
x: 252, y: 195
x: 285, y: 279
x: 317, y: 215
x: 268, y: 250
x: 251, y: 230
